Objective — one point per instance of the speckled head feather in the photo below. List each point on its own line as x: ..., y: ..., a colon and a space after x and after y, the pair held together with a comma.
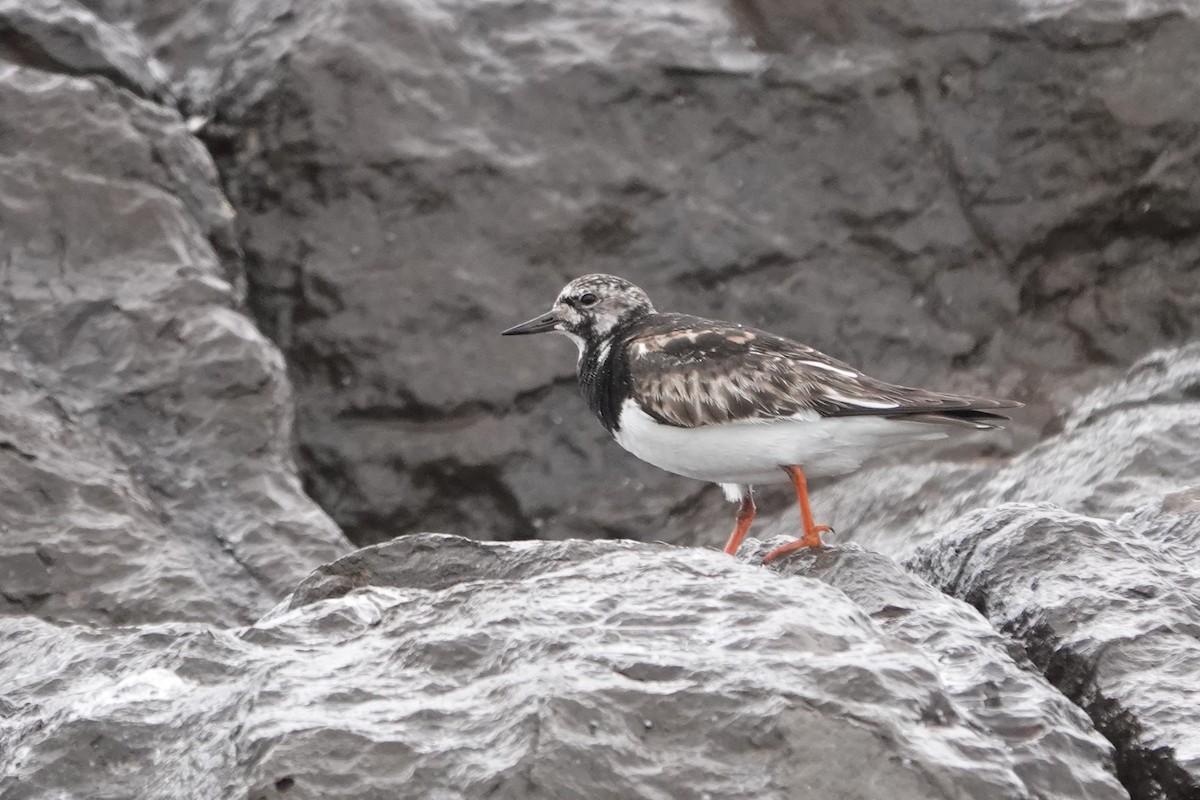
x: 589, y: 310
x: 592, y: 306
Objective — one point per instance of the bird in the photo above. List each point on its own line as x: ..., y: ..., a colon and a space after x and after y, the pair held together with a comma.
x: 738, y: 406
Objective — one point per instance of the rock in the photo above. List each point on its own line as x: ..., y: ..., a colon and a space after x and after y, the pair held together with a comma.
x: 537, y: 669
x: 1050, y: 744
x: 145, y: 466
x: 1108, y: 614
x: 62, y: 37
x: 993, y: 197
x: 1082, y: 548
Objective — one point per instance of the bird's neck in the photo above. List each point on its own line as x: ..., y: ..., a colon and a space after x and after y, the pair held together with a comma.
x: 604, y: 373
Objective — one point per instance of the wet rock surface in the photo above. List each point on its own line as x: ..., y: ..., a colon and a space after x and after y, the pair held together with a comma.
x: 994, y: 198
x: 1109, y: 614
x: 546, y: 669
x: 62, y: 37
x: 1049, y: 742
x: 145, y: 471
x: 1084, y: 548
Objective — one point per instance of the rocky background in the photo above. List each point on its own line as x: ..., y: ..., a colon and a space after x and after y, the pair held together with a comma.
x: 254, y: 252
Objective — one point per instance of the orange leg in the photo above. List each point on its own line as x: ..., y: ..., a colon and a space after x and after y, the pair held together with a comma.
x: 745, y: 516
x: 812, y: 531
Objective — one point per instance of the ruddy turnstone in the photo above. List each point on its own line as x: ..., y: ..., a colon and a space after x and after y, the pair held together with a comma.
x: 733, y: 405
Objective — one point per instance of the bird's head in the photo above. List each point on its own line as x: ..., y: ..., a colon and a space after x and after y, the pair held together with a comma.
x: 588, y: 309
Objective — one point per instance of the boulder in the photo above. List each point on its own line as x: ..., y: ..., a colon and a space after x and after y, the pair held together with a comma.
x: 1083, y: 548
x: 1050, y: 743
x: 145, y: 464
x: 437, y: 666
x: 993, y: 197
x: 1109, y: 613
x: 62, y: 37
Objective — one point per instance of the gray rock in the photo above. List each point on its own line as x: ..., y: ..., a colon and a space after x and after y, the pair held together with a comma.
x: 145, y: 466
x: 61, y: 36
x: 435, y: 666
x: 182, y: 35
x: 1110, y: 615
x: 995, y: 197
x: 1095, y: 572
x: 1049, y: 743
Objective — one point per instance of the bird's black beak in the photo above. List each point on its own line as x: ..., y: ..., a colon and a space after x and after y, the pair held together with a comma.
x: 542, y: 324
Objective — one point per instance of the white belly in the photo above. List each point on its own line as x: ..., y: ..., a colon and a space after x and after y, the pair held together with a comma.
x: 753, y: 452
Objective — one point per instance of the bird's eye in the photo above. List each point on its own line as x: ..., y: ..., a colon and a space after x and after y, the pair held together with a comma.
x: 587, y: 300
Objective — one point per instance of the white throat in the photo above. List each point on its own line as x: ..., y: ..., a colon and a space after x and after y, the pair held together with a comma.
x: 580, y: 344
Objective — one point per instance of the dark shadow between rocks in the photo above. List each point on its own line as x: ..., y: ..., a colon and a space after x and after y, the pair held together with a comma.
x: 1148, y: 773
x: 1105, y: 610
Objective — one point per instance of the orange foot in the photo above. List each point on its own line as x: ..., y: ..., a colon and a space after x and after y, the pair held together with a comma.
x: 812, y: 531
x: 812, y: 538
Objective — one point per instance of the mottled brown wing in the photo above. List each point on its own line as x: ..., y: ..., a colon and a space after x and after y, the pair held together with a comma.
x: 686, y: 371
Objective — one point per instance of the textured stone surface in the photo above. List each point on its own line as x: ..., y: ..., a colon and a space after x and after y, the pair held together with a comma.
x: 1110, y: 615
x: 436, y: 666
x: 145, y: 471
x: 1050, y: 743
x: 61, y: 36
x: 1095, y: 572
x: 995, y: 196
